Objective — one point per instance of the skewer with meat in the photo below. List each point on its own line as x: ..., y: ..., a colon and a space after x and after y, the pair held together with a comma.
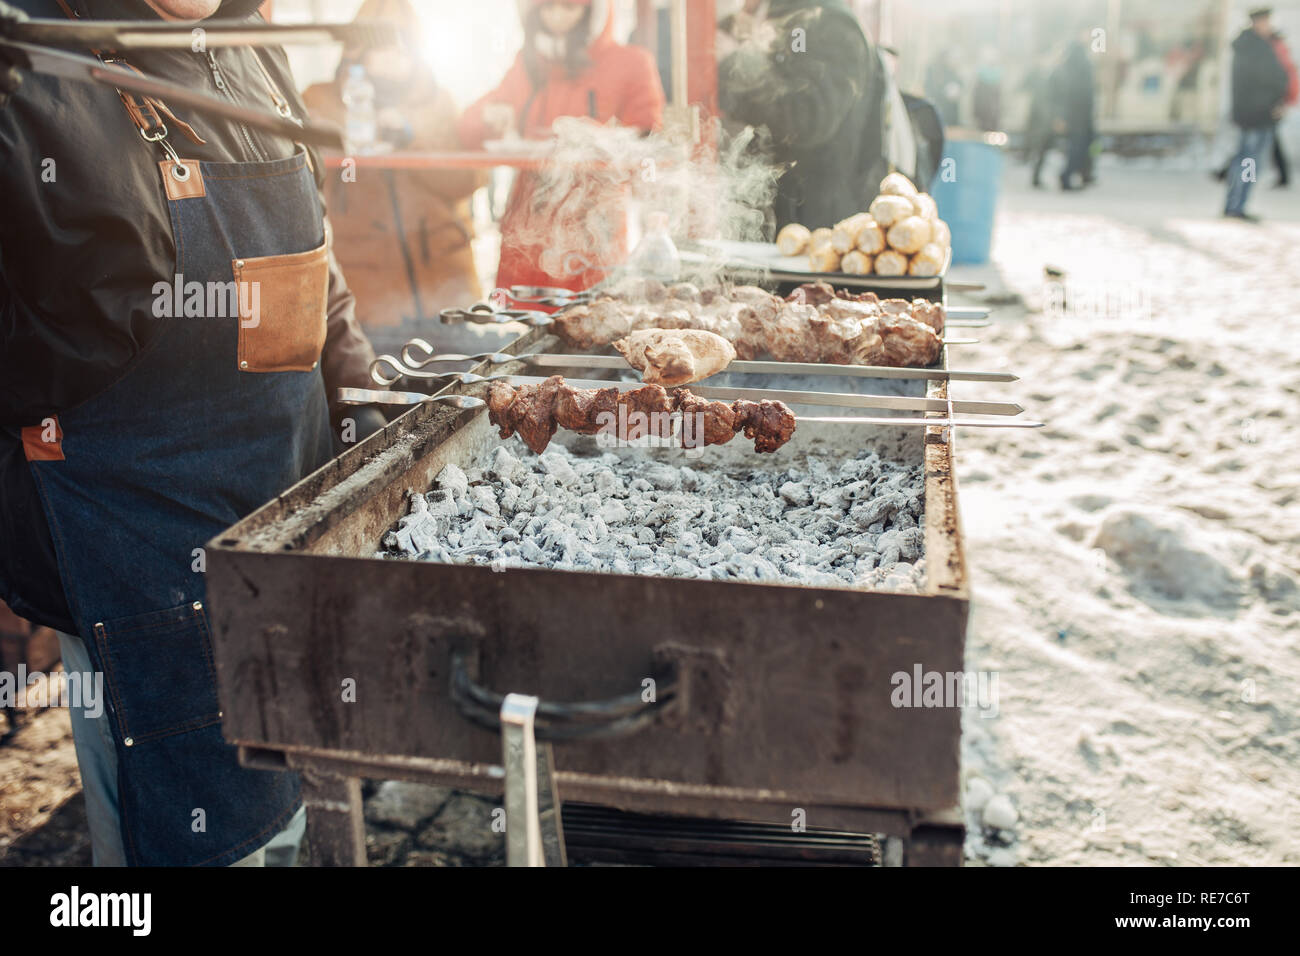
x: 815, y: 324
x: 535, y: 412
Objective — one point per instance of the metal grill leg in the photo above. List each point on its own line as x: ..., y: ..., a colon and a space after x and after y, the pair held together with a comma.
x: 534, y: 835
x: 548, y: 798
x: 335, y: 826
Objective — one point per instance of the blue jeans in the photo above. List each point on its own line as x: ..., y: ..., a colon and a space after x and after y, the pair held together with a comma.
x: 97, y: 761
x: 1254, y: 146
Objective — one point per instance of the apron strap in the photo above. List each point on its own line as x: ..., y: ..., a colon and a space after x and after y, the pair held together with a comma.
x: 147, y: 112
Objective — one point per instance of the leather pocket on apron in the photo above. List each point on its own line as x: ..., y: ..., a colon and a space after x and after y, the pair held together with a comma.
x: 159, y: 672
x: 282, y: 310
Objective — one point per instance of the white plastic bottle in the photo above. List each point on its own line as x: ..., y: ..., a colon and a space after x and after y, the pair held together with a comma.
x: 362, y: 125
x: 656, y: 256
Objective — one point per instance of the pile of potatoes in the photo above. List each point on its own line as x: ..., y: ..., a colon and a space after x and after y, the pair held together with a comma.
x: 901, y: 234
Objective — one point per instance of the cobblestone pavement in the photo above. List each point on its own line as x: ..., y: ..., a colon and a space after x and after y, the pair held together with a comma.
x: 43, y: 813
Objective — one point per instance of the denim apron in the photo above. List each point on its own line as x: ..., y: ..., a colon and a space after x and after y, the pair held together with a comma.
x: 205, y: 428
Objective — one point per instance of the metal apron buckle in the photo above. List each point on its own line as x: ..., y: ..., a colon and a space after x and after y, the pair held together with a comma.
x: 180, y: 172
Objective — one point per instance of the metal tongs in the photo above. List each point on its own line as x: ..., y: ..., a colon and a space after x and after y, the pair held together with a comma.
x: 33, y: 45
x: 544, y: 295
x: 485, y: 314
x: 125, y: 35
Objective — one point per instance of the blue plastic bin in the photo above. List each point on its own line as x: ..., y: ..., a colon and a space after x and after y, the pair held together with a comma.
x: 966, y: 191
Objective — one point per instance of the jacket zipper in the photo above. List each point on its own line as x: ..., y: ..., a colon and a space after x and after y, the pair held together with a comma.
x: 220, y: 80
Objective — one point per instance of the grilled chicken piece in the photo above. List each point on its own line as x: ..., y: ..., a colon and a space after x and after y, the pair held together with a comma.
x: 923, y: 310
x: 907, y: 341
x: 931, y: 313
x: 676, y: 356
x: 601, y: 322
x: 861, y: 310
x: 812, y: 293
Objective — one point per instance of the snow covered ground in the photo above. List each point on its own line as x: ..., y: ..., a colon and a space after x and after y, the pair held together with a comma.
x: 1136, y: 563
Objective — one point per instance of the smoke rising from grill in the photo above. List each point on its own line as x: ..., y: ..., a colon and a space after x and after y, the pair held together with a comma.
x: 577, y: 216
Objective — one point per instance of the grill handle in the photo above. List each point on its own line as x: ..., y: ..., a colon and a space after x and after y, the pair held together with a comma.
x: 586, y: 720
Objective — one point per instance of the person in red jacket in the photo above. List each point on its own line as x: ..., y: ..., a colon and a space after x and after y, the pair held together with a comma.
x: 1292, y: 94
x: 570, y: 65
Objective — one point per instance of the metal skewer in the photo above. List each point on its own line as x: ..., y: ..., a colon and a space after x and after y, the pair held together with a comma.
x: 834, y: 399
x: 546, y: 360
x: 367, y: 396
x: 375, y: 396
x: 937, y: 422
x: 429, y: 358
x: 388, y: 370
x: 487, y: 316
x: 965, y: 313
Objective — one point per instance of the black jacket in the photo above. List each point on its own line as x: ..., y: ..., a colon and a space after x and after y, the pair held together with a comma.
x: 1073, y: 93
x: 822, y: 103
x: 79, y: 254
x: 1259, y: 81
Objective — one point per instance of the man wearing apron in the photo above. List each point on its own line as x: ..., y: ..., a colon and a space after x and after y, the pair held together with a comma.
x: 138, y: 420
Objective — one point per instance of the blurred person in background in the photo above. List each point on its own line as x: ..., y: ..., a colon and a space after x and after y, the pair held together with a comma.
x: 570, y: 65
x: 1259, y: 90
x: 1039, y: 131
x: 986, y: 94
x: 1292, y: 93
x: 823, y: 105
x: 1074, y: 96
x: 944, y: 87
x: 403, y: 236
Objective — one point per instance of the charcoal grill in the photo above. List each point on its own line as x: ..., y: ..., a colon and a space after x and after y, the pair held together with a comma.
x: 781, y: 693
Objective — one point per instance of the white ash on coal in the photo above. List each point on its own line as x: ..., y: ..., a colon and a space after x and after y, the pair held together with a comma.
x: 816, y: 519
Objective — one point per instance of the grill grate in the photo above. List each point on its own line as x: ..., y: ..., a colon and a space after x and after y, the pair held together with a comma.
x: 596, y: 834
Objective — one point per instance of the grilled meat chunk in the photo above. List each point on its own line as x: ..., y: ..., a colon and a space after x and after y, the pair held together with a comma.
x: 770, y: 424
x: 584, y: 409
x: 705, y: 422
x: 528, y: 410
x: 676, y: 356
